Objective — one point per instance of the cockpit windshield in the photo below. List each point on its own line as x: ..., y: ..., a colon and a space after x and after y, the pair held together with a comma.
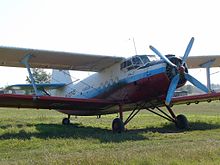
x: 144, y: 58
x: 137, y: 61
x: 153, y: 58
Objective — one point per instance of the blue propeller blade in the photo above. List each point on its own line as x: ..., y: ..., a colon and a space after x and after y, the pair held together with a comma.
x: 162, y: 56
x: 172, y: 89
x: 188, y: 49
x: 196, y: 83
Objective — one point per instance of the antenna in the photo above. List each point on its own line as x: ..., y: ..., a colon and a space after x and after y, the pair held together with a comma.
x: 135, y: 49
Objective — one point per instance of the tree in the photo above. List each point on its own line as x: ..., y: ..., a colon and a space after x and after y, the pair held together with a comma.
x: 40, y: 76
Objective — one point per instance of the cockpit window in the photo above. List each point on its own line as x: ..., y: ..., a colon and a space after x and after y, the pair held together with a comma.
x: 132, y: 63
x: 137, y: 61
x: 127, y: 65
x: 144, y: 58
x: 153, y: 58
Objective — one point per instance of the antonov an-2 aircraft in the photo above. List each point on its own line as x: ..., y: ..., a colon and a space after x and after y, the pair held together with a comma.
x: 119, y: 84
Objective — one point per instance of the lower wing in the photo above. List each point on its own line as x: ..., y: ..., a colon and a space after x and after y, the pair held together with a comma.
x: 57, y: 103
x: 196, y: 98
x: 39, y: 86
x: 86, y: 107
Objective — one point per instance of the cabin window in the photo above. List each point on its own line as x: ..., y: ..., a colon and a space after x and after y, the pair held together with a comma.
x: 101, y: 85
x: 116, y: 79
x: 106, y: 84
x: 111, y: 82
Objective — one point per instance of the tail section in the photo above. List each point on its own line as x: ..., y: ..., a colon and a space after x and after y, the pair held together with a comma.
x: 62, y: 76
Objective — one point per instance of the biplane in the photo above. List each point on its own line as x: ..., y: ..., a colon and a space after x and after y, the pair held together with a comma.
x: 118, y: 84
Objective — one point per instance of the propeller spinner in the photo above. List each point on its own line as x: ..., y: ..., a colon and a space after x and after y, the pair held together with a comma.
x: 181, y: 73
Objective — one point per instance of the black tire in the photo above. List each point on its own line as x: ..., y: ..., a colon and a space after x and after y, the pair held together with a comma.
x: 182, y: 122
x: 66, y: 121
x: 117, y: 125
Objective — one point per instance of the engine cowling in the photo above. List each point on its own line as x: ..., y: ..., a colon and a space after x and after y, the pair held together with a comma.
x: 173, y: 71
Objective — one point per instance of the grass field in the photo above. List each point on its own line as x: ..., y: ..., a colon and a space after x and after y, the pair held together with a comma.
x: 37, y: 137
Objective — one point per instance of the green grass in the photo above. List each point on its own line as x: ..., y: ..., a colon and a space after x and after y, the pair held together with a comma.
x: 37, y: 137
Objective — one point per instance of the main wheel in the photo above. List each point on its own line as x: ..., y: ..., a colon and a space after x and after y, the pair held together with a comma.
x: 117, y: 125
x: 182, y: 122
x: 66, y: 121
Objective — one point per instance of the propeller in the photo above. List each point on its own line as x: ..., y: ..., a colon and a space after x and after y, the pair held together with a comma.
x: 181, y: 73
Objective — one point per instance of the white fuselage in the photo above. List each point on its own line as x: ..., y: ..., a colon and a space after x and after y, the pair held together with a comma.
x: 110, y: 78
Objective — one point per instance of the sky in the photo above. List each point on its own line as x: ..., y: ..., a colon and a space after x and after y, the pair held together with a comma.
x: 106, y: 27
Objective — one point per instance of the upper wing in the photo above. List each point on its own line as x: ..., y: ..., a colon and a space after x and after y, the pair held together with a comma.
x: 200, y: 61
x: 56, y: 60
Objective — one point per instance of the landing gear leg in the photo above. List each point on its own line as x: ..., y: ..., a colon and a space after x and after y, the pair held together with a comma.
x: 66, y: 121
x: 117, y: 123
x: 180, y: 121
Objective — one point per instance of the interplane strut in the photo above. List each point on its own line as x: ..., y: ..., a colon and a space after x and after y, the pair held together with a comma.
x: 25, y: 61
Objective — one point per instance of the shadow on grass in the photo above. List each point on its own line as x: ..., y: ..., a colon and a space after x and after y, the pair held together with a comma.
x: 171, y: 128
x: 17, y: 125
x: 77, y: 131
x: 74, y: 131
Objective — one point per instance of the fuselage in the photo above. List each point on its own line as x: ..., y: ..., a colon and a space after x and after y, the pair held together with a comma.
x: 131, y: 82
x: 138, y: 78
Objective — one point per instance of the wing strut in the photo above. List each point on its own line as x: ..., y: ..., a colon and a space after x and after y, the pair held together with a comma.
x: 208, y: 65
x: 25, y: 61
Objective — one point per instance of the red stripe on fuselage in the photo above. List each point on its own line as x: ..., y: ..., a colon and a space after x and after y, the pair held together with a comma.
x: 143, y: 89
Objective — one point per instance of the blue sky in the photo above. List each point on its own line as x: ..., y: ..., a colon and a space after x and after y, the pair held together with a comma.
x: 104, y: 27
